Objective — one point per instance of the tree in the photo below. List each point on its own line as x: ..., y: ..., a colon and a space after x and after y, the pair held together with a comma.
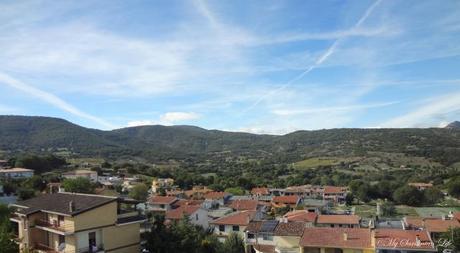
x: 79, y: 184
x: 349, y: 198
x: 387, y: 209
x: 451, y: 238
x: 7, y: 245
x: 432, y: 196
x: 25, y: 193
x: 40, y: 164
x: 454, y: 188
x: 235, y: 191
x: 139, y: 192
x: 233, y: 244
x: 408, y: 195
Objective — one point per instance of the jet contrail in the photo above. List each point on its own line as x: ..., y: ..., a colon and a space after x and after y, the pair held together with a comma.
x: 51, y: 99
x: 318, y: 62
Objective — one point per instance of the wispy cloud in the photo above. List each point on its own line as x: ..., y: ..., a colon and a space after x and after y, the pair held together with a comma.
x: 346, y: 108
x: 317, y: 63
x: 51, y: 99
x: 431, y: 113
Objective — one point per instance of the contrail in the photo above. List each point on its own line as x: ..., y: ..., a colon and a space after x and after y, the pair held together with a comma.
x: 51, y: 99
x: 317, y: 63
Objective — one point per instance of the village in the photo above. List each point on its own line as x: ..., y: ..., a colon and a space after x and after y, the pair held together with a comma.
x: 306, y: 218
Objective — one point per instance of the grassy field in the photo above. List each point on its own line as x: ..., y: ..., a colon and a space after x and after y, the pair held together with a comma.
x: 365, y: 211
x: 406, y: 211
x: 435, y: 211
x: 315, y: 162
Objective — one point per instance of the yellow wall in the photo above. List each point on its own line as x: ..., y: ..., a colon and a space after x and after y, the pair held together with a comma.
x: 119, y: 236
x: 101, y: 216
x: 286, y: 241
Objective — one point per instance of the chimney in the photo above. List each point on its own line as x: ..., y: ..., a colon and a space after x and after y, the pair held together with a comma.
x: 71, y: 206
x: 345, y: 236
x: 417, y: 241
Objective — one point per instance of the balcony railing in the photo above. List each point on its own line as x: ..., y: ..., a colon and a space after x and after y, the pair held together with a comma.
x: 40, y: 247
x: 54, y: 225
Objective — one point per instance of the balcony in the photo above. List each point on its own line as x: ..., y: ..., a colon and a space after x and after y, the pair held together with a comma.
x: 54, y: 226
x: 42, y: 248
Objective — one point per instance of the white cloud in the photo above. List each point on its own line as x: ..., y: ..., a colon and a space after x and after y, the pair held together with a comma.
x: 169, y: 118
x: 428, y: 114
x: 51, y: 99
x: 345, y: 108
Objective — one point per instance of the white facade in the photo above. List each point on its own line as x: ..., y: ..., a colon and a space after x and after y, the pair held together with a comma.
x: 16, y: 173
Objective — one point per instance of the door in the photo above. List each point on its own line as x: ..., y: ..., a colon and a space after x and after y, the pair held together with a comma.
x: 92, y: 242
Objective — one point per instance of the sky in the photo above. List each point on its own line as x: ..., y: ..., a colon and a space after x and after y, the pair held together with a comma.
x: 260, y: 66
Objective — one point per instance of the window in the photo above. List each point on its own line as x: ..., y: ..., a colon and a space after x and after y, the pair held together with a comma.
x: 267, y: 237
x: 61, y: 239
x: 221, y: 228
x: 236, y: 228
x: 250, y: 236
x: 162, y: 206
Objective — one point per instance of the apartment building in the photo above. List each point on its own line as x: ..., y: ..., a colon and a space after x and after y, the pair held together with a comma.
x: 77, y: 223
x: 16, y: 173
x: 162, y: 183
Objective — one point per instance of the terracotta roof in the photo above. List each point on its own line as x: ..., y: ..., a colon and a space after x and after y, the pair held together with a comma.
x: 354, y: 238
x: 162, y: 200
x: 290, y: 229
x: 286, y: 199
x: 457, y: 216
x: 338, y: 219
x: 215, y: 195
x: 301, y: 215
x: 264, y: 248
x: 402, y: 239
x: 178, y: 213
x: 60, y: 203
x: 243, y: 204
x: 298, y: 189
x: 334, y: 190
x: 191, y: 202
x: 238, y: 218
x: 260, y: 190
x: 413, y: 222
x: 254, y: 226
x: 439, y: 225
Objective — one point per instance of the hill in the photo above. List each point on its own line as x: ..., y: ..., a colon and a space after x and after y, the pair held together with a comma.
x: 45, y: 134
x: 454, y: 125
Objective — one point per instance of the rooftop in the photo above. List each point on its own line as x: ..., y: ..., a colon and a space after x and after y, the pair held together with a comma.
x: 240, y: 205
x: 355, y: 238
x: 286, y: 199
x: 260, y: 191
x: 334, y: 189
x: 178, y: 213
x: 301, y: 215
x: 402, y: 239
x: 162, y: 200
x: 215, y: 195
x: 238, y: 218
x: 60, y: 203
x: 290, y: 229
x: 338, y: 219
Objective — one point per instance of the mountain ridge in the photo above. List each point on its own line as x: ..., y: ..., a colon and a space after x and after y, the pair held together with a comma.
x: 157, y: 142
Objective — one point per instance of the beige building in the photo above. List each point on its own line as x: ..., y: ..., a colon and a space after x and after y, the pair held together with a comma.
x: 162, y: 183
x: 89, y: 174
x: 77, y: 223
x: 16, y: 173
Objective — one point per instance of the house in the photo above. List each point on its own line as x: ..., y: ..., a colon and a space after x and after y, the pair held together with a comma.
x: 287, y: 236
x: 402, y: 241
x: 15, y: 173
x: 421, y: 186
x: 197, y: 192
x: 303, y: 191
x: 89, y: 174
x: 305, y: 216
x: 70, y: 222
x: 338, y: 221
x: 259, y: 236
x: 195, y: 213
x: 316, y: 205
x: 161, y: 203
x: 233, y: 223
x: 260, y: 191
x: 434, y: 226
x: 290, y: 202
x: 336, y: 240
x: 241, y: 205
x: 335, y: 194
x: 214, y: 199
x: 162, y: 183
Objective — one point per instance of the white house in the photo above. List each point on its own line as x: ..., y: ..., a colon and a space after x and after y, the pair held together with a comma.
x: 91, y: 175
x: 16, y: 173
x: 195, y: 213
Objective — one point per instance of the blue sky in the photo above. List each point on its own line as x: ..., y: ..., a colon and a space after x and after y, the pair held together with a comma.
x: 256, y: 66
